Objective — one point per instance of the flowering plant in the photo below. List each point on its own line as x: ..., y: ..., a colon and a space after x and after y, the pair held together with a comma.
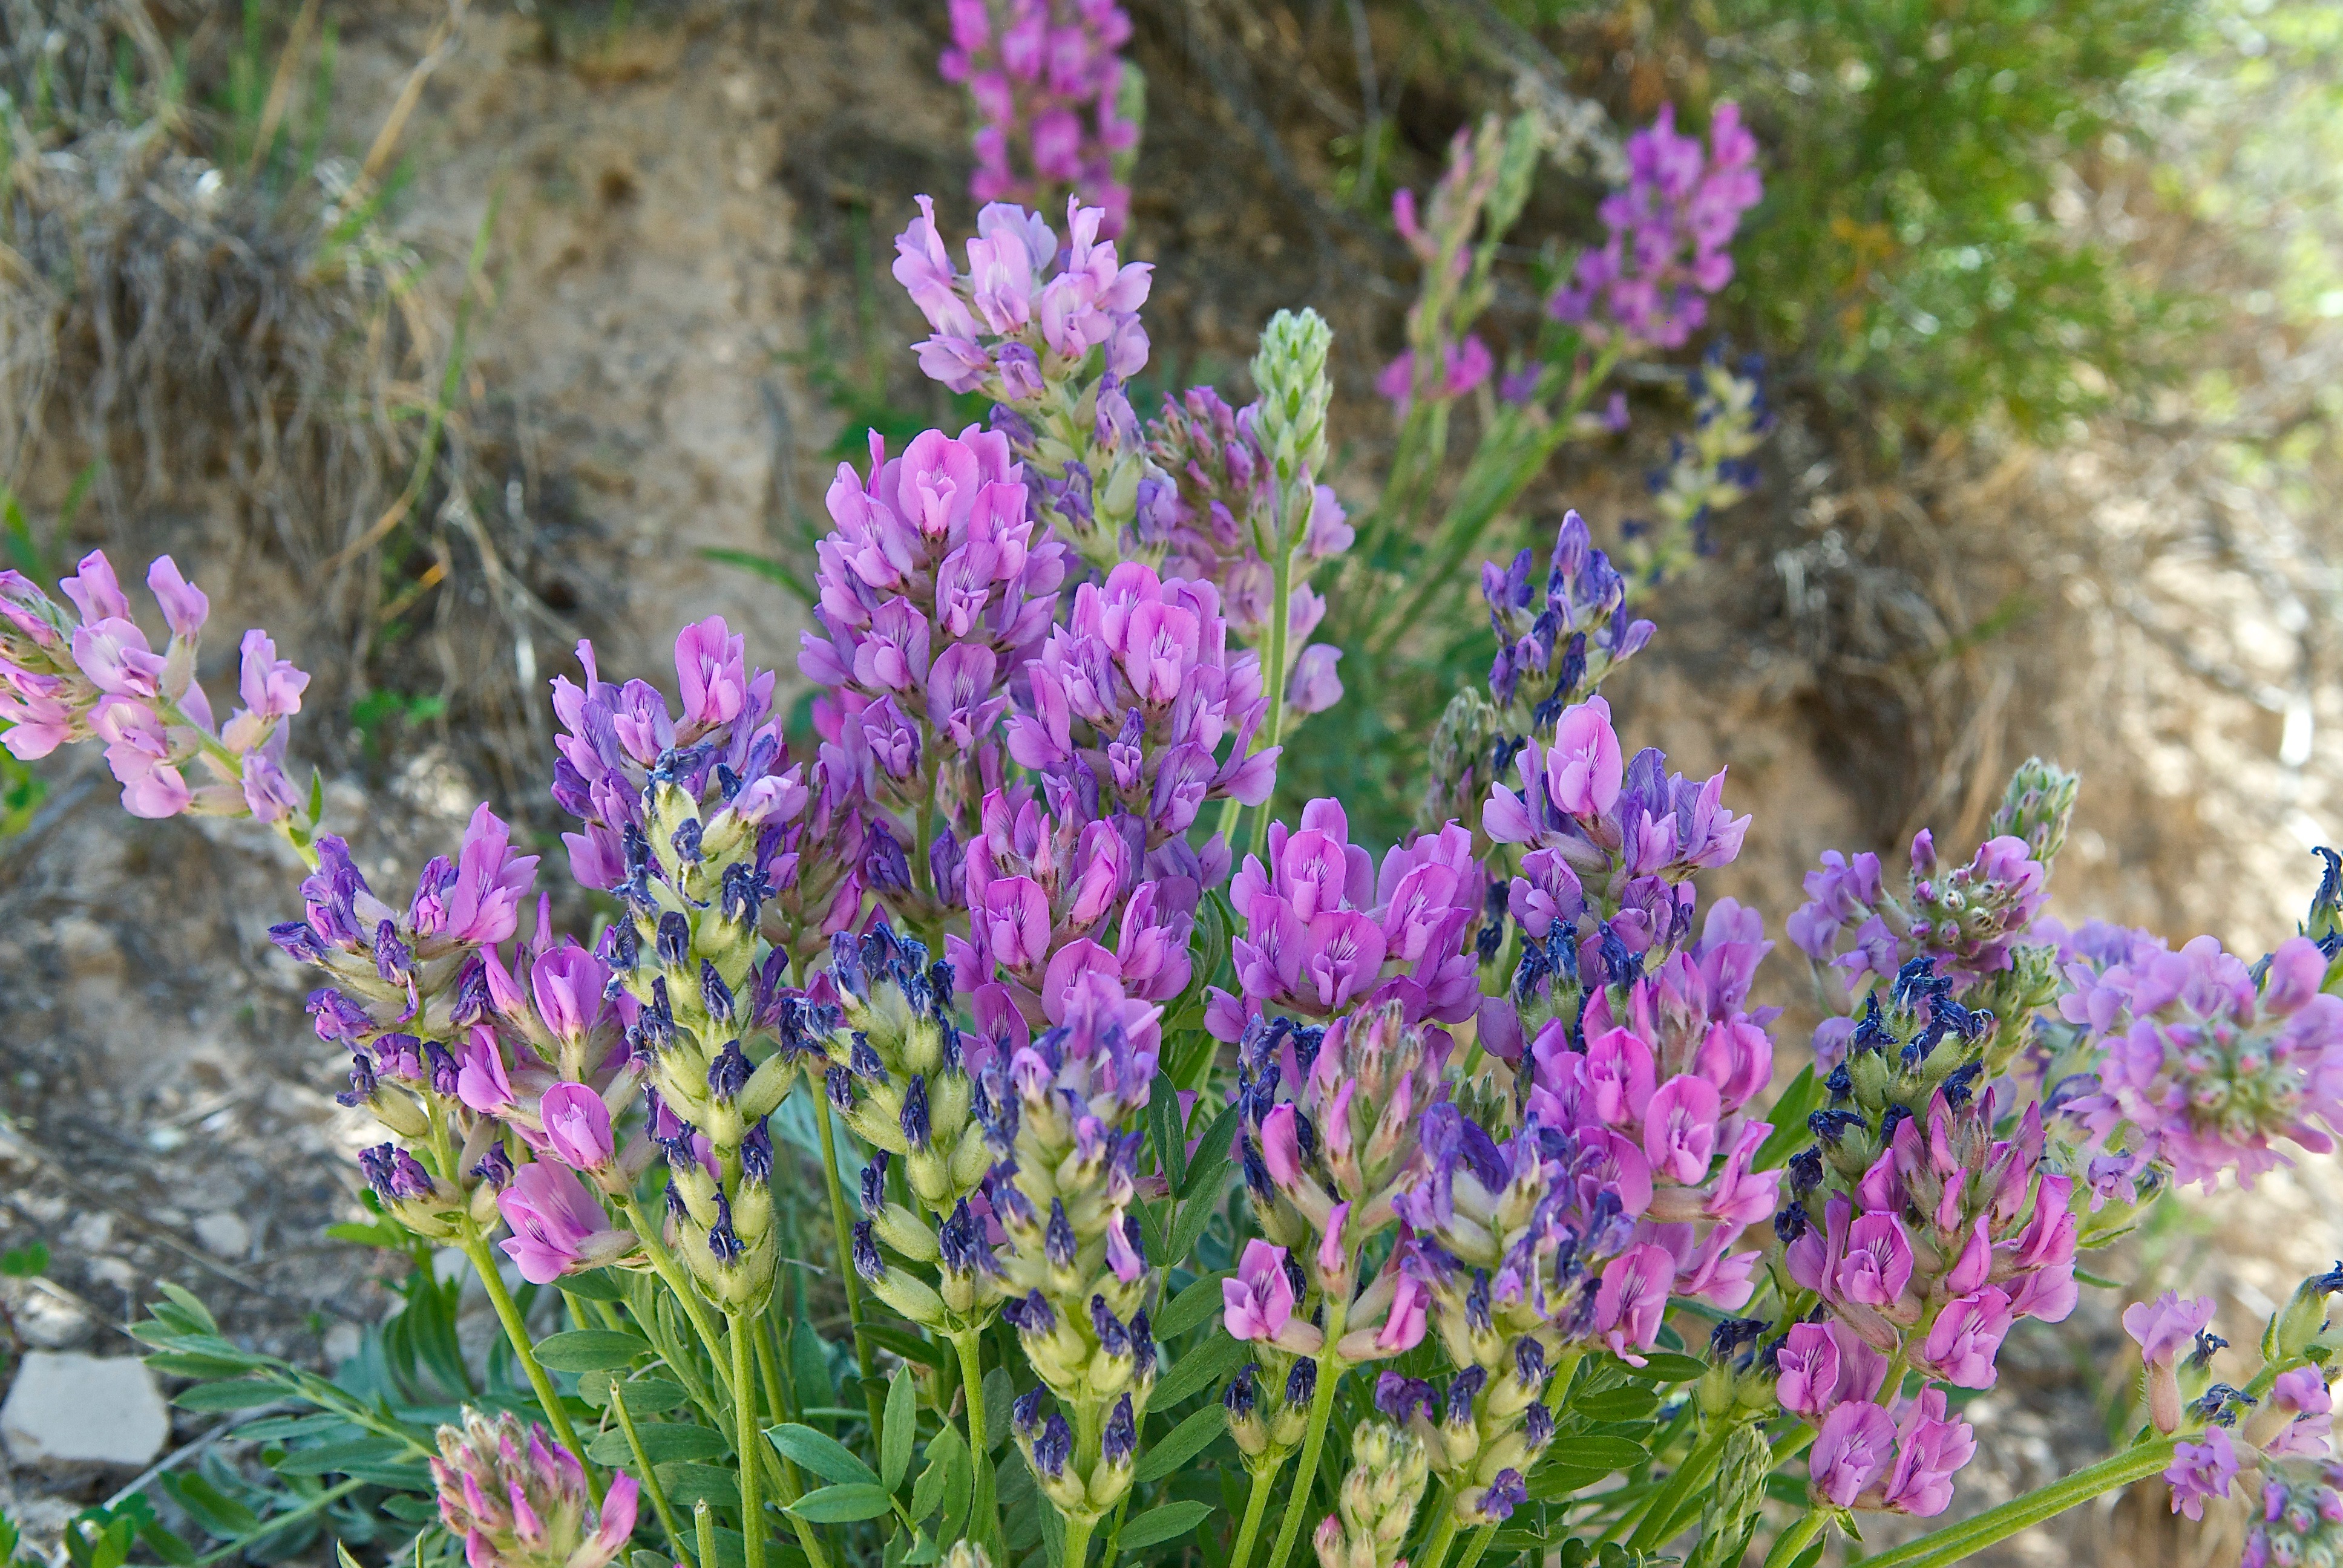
x: 1538, y: 1243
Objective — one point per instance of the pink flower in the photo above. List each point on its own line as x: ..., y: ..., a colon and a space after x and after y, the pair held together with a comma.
x: 2302, y: 1393
x: 481, y: 1082
x: 484, y: 904
x: 1930, y: 1450
x: 557, y: 1227
x: 1879, y: 1262
x: 1966, y: 1336
x: 1314, y: 687
x: 2201, y: 1470
x: 577, y: 1126
x: 1824, y: 1365
x: 1583, y: 767
x: 1619, y: 1075
x: 1403, y: 1330
x: 114, y: 654
x: 1258, y: 1302
x: 1854, y: 1448
x: 1632, y: 1299
x: 271, y: 687
x: 1680, y: 1128
x: 2164, y: 1330
x: 184, y: 605
x: 711, y: 667
x: 95, y: 591
x: 567, y: 982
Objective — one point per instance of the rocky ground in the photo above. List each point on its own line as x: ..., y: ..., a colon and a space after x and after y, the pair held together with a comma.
x: 691, y: 212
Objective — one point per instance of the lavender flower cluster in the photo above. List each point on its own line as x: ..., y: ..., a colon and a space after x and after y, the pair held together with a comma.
x: 1508, y: 1118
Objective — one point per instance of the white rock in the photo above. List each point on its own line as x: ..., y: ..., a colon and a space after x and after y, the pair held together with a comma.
x: 225, y: 1235
x: 91, y: 1231
x: 343, y: 1341
x: 70, y: 1409
x: 45, y: 1319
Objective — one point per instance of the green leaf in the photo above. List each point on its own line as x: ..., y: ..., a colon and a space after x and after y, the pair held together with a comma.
x: 1199, y: 1368
x: 1629, y: 1403
x: 593, y: 1285
x: 1212, y: 1156
x: 25, y: 1261
x: 208, y: 1506
x: 1164, y: 1129
x: 336, y: 1458
x: 1163, y: 1523
x: 242, y: 1394
x: 590, y: 1349
x: 689, y: 1481
x: 809, y: 1360
x: 167, y: 1544
x: 187, y: 1303
x: 945, y: 1484
x: 1182, y: 1443
x: 902, y: 1426
x: 821, y: 1453
x: 189, y: 1363
x: 1000, y: 1399
x: 1605, y: 1454
x: 842, y: 1505
x: 1665, y: 1366
x: 1191, y: 1306
x: 1555, y: 1480
x: 908, y: 1345
x: 645, y: 1395
x: 662, y: 1441
x: 1789, y: 1115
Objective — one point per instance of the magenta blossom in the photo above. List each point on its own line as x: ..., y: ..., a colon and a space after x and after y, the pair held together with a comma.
x: 557, y: 1227
x: 2164, y: 1330
x: 1259, y: 1301
x: 576, y: 1127
x: 1824, y: 1365
x: 1854, y: 1448
x: 2201, y: 1470
x: 1632, y: 1299
x: 1930, y: 1450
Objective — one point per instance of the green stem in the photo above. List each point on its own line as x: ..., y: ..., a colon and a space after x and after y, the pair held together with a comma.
x: 1660, y: 1519
x: 323, y: 1500
x: 678, y: 1280
x: 1321, y: 1407
x: 652, y: 1484
x: 971, y: 1383
x: 1796, y: 1539
x: 744, y: 1412
x: 1480, y: 1543
x: 1435, y: 1551
x: 1078, y: 1539
x: 1971, y: 1536
x: 845, y: 1229
x: 703, y: 1520
x: 1281, y: 618
x: 1265, y: 1481
x: 484, y: 1263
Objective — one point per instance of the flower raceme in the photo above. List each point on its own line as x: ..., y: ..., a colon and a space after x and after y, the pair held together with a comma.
x: 1049, y: 90
x: 517, y: 1499
x: 66, y: 677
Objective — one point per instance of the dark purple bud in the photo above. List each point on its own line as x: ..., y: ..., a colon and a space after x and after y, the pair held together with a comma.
x: 1025, y: 1412
x: 1053, y: 1447
x: 1241, y: 1395
x: 2330, y: 1283
x: 960, y: 1240
x: 471, y: 1003
x: 674, y: 941
x: 1537, y: 1425
x: 722, y: 1242
x: 1505, y: 1493
x: 1476, y: 1303
x: 1256, y: 1173
x: 866, y: 1261
x: 1962, y: 1084
x: 1462, y: 1390
x: 743, y: 894
x: 1806, y: 1170
x: 392, y: 960
x: 846, y: 966
x: 1300, y: 1384
x: 1792, y: 1223
x: 1134, y: 1234
x: 1142, y: 1346
x: 1895, y: 1117
x: 1121, y: 1433
x: 714, y: 994
x: 1841, y: 1083
x: 1031, y: 1314
x: 1528, y: 1363
x: 362, y: 1081
x: 1057, y: 1242
x: 2222, y: 1404
x: 2201, y: 1355
x: 1009, y: 1204
x: 862, y: 1059
x: 622, y: 948
x: 884, y: 865
x: 727, y: 1075
x: 757, y: 1154
x: 1112, y: 1337
x: 636, y: 845
x: 676, y: 1211
x: 1830, y: 1126
x: 440, y: 1068
x: 874, y: 1183
x: 914, y: 1118
x: 299, y: 941
x: 1400, y: 1397
x: 685, y: 840
x: 1729, y: 1338
x: 1298, y: 1282
x: 658, y: 1020
x: 840, y: 1083
x: 494, y: 1168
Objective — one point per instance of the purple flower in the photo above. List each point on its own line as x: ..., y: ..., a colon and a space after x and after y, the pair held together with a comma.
x: 1679, y: 1128
x: 2201, y: 1470
x: 1824, y: 1365
x: 1966, y: 1336
x: 1257, y: 1302
x: 484, y: 904
x: 1877, y: 1263
x: 1632, y: 1300
x: 2301, y: 1397
x: 184, y: 605
x: 1854, y: 1448
x: 2164, y: 1330
x: 558, y: 1228
x: 712, y: 671
x: 577, y: 1126
x: 1930, y: 1450
x: 567, y: 983
x: 271, y: 687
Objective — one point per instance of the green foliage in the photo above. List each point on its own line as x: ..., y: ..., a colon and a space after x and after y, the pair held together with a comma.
x: 379, y: 716
x: 27, y: 1261
x: 1917, y: 240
